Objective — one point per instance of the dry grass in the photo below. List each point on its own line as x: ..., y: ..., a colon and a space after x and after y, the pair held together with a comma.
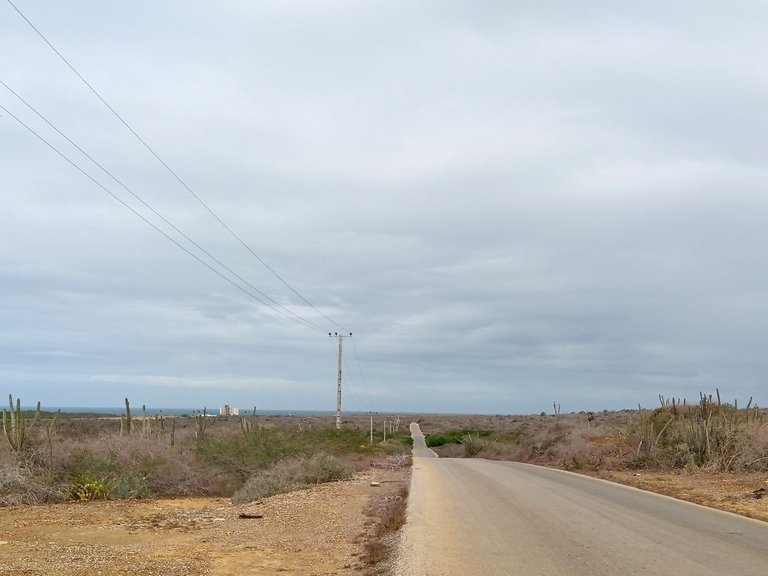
x: 388, y: 514
x: 292, y: 474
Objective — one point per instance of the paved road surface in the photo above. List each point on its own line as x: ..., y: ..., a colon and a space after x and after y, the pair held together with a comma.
x: 486, y: 518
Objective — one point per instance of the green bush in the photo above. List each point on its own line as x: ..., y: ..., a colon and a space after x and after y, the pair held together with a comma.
x: 129, y: 485
x: 89, y: 465
x: 453, y: 436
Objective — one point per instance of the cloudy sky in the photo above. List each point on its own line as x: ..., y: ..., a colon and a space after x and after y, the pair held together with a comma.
x: 509, y: 203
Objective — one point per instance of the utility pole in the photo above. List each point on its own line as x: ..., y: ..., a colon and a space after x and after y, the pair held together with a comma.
x: 338, y: 387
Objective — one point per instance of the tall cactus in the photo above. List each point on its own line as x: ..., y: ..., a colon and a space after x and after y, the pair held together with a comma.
x: 15, y: 425
x: 49, y: 442
x: 201, y: 423
x: 125, y: 422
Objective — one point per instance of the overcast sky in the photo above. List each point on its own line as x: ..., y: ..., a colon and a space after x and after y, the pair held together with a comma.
x: 509, y: 204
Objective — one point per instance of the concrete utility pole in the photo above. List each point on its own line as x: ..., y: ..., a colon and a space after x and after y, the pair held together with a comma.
x: 338, y: 388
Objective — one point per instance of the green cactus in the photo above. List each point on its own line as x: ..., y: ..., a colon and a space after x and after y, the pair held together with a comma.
x: 145, y: 424
x: 249, y: 424
x: 246, y: 426
x: 201, y: 423
x: 86, y: 490
x: 15, y: 426
x: 125, y: 422
x: 49, y: 442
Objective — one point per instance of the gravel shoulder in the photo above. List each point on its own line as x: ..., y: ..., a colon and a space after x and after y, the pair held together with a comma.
x: 319, y: 531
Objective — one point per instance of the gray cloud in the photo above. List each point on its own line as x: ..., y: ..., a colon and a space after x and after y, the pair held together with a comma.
x: 509, y: 204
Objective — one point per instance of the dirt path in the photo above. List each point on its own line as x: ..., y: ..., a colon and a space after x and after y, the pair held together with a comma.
x: 315, y: 532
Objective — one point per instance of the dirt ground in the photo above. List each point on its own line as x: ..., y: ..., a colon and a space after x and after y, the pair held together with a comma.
x: 322, y: 531
x: 730, y: 492
x: 315, y: 532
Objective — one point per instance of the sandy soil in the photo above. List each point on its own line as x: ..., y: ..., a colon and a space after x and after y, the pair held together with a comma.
x: 730, y: 492
x: 320, y: 531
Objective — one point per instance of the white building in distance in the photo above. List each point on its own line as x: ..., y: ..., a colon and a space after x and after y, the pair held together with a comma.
x: 228, y: 410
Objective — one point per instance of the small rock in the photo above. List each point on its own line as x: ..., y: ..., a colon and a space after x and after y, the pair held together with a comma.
x: 756, y: 494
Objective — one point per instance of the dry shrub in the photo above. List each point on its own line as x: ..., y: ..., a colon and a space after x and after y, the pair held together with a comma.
x: 449, y: 451
x: 168, y: 470
x: 545, y: 444
x: 389, y: 514
x: 20, y: 485
x: 391, y: 462
x: 501, y: 451
x: 754, y: 456
x: 710, y: 435
x: 292, y: 474
x: 473, y: 445
x: 134, y: 466
x: 89, y: 457
x: 564, y: 440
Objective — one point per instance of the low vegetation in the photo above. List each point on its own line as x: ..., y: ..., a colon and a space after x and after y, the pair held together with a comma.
x: 48, y: 457
x: 292, y: 474
x: 454, y: 436
x: 707, y: 435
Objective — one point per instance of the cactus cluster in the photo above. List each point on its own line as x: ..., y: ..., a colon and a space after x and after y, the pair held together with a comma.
x: 249, y: 424
x: 91, y: 489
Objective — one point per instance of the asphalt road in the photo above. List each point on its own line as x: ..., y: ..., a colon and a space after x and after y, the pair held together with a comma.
x: 486, y: 518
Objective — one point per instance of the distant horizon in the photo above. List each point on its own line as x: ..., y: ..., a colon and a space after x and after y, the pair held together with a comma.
x: 172, y: 411
x: 152, y: 410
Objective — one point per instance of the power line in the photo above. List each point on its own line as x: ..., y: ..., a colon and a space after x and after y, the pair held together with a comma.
x: 298, y: 320
x: 351, y: 388
x: 362, y: 376
x: 156, y: 213
x: 168, y: 168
